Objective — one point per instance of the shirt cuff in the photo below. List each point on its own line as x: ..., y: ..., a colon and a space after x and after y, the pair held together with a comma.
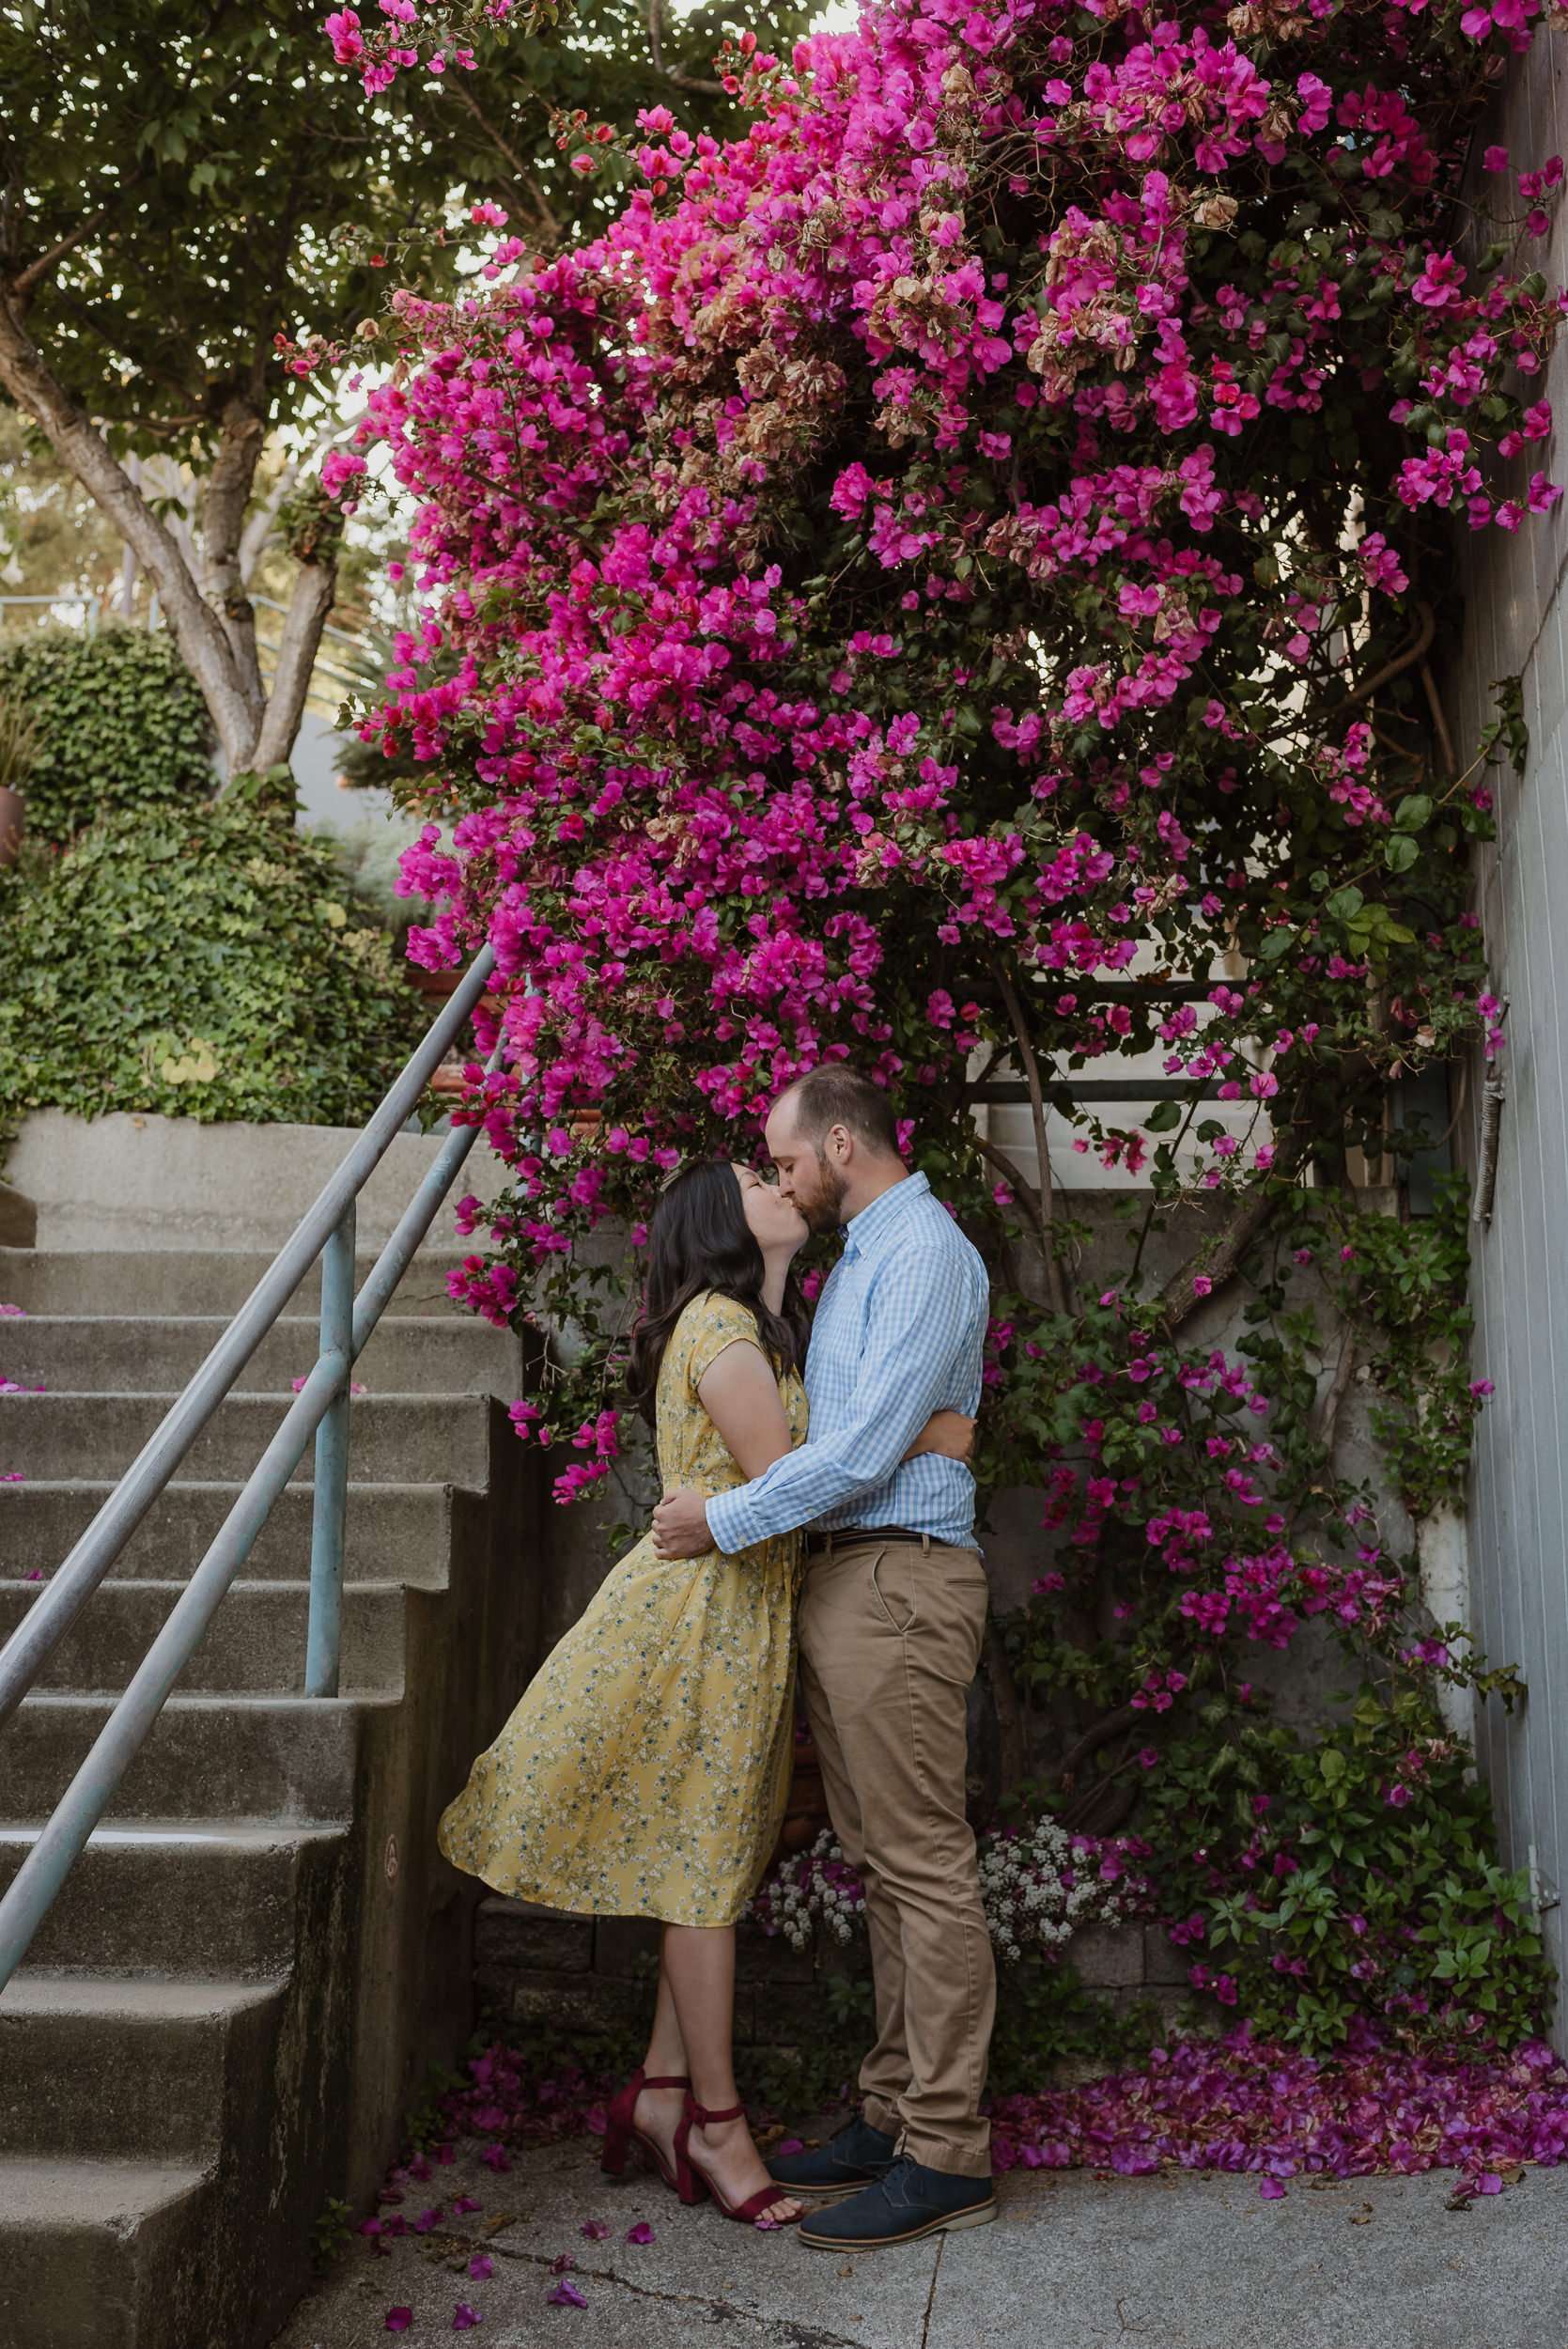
x: 730, y: 1522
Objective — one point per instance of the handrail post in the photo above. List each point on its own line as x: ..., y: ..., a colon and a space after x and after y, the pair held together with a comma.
x: 330, y: 1509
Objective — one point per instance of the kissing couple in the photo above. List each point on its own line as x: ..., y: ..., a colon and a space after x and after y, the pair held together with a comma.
x: 818, y: 1523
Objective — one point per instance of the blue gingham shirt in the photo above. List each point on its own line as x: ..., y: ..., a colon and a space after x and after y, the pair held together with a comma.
x: 899, y: 1332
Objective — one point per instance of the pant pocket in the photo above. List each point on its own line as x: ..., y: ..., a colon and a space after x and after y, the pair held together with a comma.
x: 893, y: 1589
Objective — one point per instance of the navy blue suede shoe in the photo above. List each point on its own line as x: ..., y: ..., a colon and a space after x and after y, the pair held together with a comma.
x: 910, y: 2201
x: 854, y: 2156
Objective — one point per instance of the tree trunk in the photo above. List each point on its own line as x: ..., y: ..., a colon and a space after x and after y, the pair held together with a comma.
x: 218, y: 645
x: 315, y: 586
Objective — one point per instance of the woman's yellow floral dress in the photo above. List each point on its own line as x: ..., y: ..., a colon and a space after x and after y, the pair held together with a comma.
x: 645, y: 1771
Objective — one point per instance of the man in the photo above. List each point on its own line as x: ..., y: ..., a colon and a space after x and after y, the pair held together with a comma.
x: 892, y: 1617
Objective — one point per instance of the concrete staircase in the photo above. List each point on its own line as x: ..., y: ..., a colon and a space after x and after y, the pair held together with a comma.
x: 258, y: 1953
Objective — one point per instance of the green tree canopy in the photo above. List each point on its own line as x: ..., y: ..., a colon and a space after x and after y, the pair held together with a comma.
x: 178, y: 188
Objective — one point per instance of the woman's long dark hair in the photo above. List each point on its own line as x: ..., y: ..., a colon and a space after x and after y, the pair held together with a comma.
x: 700, y: 1240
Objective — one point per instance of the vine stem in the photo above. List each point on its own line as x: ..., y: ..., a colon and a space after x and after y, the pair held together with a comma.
x: 1056, y: 1278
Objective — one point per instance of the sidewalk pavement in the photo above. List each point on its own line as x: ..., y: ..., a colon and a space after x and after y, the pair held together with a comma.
x: 1074, y: 2260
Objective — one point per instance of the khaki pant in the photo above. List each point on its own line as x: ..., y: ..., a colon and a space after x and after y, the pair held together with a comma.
x: 891, y: 1635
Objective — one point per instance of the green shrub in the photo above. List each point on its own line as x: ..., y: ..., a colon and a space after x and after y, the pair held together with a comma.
x: 204, y: 962
x: 1319, y: 1882
x: 121, y: 722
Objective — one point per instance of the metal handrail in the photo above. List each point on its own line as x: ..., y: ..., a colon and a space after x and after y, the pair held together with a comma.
x: 321, y: 1408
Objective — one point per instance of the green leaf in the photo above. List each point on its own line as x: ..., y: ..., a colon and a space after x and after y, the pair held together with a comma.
x: 1414, y: 812
x: 1400, y: 853
x: 1344, y: 904
x: 1163, y: 1118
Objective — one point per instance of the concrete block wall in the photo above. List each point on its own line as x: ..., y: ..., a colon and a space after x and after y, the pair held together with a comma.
x: 1516, y: 625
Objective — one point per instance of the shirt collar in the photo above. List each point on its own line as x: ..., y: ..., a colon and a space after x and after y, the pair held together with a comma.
x: 864, y: 1230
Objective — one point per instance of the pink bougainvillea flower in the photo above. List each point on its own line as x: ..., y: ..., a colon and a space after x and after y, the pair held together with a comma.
x: 566, y: 2295
x: 495, y: 2158
x: 464, y: 2318
x: 640, y: 2233
x: 1271, y: 2190
x: 463, y: 2203
x: 790, y: 2145
x: 593, y: 2229
x: 481, y: 2267
x: 429, y: 2219
x: 398, y: 2320
x: 13, y: 1313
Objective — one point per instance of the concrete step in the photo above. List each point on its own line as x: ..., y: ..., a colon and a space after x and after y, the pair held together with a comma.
x: 188, y: 1281
x: 397, y: 1533
x: 414, y: 1438
x: 255, y: 1642
x: 129, y: 1354
x: 119, y: 2066
x: 207, y: 1898
x: 90, y: 2250
x: 288, y: 1760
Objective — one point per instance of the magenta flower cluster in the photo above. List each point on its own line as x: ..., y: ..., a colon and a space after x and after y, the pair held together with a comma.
x: 951, y: 579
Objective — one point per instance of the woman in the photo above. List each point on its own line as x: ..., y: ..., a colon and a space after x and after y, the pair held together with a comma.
x: 645, y: 1771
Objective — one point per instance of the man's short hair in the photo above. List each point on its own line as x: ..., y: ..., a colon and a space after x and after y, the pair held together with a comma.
x: 832, y: 1096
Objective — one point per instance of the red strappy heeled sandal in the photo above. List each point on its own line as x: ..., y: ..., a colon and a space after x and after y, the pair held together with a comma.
x: 693, y: 2186
x: 622, y: 2137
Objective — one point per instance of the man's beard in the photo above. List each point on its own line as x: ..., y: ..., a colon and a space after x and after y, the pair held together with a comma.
x: 823, y: 1211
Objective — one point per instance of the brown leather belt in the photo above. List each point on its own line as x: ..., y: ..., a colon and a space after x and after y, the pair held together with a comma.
x: 852, y: 1536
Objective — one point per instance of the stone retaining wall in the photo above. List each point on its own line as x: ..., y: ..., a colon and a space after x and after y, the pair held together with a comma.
x: 536, y: 1968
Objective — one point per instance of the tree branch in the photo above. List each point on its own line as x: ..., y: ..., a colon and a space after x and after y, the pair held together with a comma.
x: 28, y: 380
x: 548, y: 226
x: 228, y: 494
x: 1416, y: 650
x: 1177, y: 1298
x: 1328, y: 1412
x: 21, y: 287
x: 673, y: 72
x: 314, y: 587
x: 1056, y: 1279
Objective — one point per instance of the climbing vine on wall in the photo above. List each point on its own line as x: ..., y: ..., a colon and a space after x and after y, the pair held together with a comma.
x: 958, y: 579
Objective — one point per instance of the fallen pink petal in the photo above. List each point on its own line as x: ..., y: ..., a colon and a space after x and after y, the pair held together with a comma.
x: 398, y: 2320
x: 463, y: 2203
x: 566, y: 2295
x: 1271, y: 2190
x: 464, y: 2318
x: 594, y: 2230
x: 481, y: 2268
x: 640, y: 2233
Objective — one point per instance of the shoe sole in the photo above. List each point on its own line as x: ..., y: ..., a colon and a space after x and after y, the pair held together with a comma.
x: 822, y: 2194
x: 980, y: 2216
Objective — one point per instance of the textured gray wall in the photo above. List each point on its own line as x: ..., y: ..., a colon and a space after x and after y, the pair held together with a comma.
x: 1516, y: 626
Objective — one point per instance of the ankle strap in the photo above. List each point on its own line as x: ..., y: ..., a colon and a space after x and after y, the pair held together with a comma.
x: 648, y: 2082
x: 704, y: 2119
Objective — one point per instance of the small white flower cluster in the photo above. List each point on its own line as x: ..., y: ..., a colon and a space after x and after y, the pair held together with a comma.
x: 1037, y: 1885
x: 816, y: 1886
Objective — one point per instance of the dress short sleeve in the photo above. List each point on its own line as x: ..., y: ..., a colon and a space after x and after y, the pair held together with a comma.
x: 716, y: 1322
